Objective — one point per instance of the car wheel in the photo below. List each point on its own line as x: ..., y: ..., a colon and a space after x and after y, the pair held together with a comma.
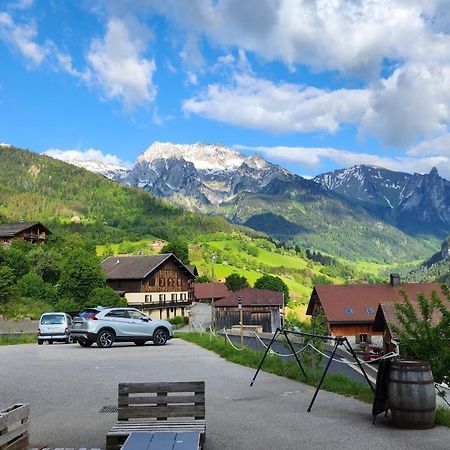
x: 139, y: 343
x: 160, y: 337
x: 40, y: 342
x: 105, y: 339
x: 84, y: 343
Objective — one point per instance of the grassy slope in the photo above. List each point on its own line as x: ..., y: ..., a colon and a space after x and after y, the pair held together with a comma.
x: 35, y: 187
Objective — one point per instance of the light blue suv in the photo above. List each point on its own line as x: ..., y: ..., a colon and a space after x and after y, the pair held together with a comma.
x: 108, y: 325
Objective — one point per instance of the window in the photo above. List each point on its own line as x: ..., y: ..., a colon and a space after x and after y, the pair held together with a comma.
x: 179, y: 281
x: 162, y: 297
x: 363, y: 337
x: 174, y: 297
x: 162, y: 281
x: 137, y: 315
x: 118, y: 313
x: 170, y: 282
x: 370, y: 310
x: 348, y: 310
x: 151, y: 281
x: 148, y: 298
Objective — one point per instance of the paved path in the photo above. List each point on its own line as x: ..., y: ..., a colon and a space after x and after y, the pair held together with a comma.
x: 67, y: 385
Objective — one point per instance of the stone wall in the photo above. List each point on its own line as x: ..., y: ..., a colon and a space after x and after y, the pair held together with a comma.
x: 18, y: 326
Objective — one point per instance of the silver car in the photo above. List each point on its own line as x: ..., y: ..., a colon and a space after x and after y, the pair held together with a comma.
x: 108, y: 325
x: 54, y: 326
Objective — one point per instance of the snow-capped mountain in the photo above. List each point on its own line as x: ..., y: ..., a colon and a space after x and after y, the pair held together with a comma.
x: 110, y: 170
x: 199, y: 175
x: 413, y: 202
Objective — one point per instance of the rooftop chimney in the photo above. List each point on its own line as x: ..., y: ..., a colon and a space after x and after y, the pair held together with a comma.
x: 395, y: 279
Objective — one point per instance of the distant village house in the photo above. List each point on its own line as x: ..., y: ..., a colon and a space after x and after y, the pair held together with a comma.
x: 33, y: 232
x: 350, y: 310
x: 160, y: 285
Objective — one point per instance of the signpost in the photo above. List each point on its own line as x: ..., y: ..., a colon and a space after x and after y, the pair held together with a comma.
x: 241, y: 320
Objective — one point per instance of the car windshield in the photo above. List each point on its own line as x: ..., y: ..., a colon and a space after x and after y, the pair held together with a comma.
x: 52, y: 319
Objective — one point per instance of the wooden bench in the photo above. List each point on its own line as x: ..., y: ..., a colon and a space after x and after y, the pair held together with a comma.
x: 159, y: 407
x: 14, y: 427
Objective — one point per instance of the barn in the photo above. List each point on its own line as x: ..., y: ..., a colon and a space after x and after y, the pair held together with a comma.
x: 260, y: 307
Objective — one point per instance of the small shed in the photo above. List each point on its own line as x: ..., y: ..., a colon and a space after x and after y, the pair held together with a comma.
x: 260, y: 307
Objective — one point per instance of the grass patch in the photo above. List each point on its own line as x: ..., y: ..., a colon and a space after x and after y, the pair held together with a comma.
x: 20, y: 339
x: 443, y: 416
x: 284, y: 368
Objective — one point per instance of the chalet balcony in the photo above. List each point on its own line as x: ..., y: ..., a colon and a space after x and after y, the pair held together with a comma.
x: 35, y: 236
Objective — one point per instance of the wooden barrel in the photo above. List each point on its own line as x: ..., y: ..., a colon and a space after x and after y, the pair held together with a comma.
x: 412, y: 397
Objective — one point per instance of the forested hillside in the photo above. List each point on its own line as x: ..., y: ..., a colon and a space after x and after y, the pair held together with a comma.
x: 70, y: 199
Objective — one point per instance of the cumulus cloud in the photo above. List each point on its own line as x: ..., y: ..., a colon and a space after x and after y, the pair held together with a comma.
x: 314, y: 157
x: 255, y: 103
x: 412, y: 104
x: 119, y: 67
x: 73, y: 156
x: 344, y: 35
x: 21, y: 37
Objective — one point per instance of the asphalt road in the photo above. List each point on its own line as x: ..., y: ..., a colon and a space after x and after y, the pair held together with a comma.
x: 67, y: 385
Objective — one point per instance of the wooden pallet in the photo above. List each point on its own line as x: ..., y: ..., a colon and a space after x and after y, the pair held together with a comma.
x: 14, y: 427
x: 158, y: 407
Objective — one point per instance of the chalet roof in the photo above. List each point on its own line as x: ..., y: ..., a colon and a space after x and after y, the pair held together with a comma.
x: 137, y: 267
x: 12, y: 229
x: 386, y: 315
x: 359, y: 302
x: 252, y: 297
x: 209, y: 290
x: 193, y: 269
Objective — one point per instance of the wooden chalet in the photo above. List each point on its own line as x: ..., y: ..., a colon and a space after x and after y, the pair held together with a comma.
x: 386, y: 319
x: 206, y: 292
x: 351, y: 309
x: 33, y: 232
x: 260, y: 307
x: 159, y: 285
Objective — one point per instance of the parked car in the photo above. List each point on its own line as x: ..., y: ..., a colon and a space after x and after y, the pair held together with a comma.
x: 372, y: 352
x: 54, y: 326
x: 108, y: 325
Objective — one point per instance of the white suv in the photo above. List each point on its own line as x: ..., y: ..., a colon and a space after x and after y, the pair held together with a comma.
x: 108, y: 325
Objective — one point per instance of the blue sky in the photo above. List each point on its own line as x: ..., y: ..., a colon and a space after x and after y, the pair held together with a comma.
x: 312, y: 85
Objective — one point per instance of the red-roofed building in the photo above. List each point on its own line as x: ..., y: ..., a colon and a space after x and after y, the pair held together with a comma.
x: 205, y: 292
x: 260, y: 307
x: 350, y: 309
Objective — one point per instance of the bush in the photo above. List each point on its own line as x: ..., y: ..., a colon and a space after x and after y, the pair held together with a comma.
x: 179, y: 321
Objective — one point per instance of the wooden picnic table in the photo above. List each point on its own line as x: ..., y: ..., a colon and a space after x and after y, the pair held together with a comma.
x: 166, y: 440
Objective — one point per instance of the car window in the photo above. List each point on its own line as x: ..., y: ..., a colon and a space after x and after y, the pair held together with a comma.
x: 118, y: 313
x: 137, y: 315
x: 52, y: 319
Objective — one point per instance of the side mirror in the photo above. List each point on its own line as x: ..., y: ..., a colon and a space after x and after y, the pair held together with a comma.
x: 145, y: 319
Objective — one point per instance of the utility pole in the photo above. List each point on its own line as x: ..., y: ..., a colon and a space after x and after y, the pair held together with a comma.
x: 213, y: 315
x: 241, y: 320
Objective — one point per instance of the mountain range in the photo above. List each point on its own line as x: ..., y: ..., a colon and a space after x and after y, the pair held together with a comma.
x: 415, y: 203
x: 322, y: 213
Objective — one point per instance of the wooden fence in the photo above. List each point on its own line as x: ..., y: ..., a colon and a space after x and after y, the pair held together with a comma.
x: 14, y: 427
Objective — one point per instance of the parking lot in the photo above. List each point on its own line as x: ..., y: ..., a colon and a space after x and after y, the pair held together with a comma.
x: 68, y: 385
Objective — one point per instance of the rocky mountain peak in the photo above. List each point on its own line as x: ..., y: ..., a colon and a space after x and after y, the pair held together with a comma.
x: 203, y: 156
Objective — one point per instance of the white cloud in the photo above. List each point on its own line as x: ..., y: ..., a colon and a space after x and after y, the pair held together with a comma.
x: 345, y: 35
x: 260, y: 104
x: 21, y: 37
x: 72, y: 156
x: 314, y: 157
x: 439, y: 145
x: 119, y: 67
x: 412, y: 104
